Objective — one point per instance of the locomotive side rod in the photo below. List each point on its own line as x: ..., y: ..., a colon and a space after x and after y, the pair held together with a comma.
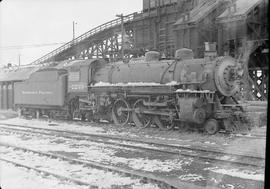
x: 154, y: 112
x: 151, y: 112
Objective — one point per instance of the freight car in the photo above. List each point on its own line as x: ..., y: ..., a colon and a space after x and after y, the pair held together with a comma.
x: 183, y: 92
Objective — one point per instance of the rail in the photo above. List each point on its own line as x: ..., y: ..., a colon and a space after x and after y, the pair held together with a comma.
x: 212, y: 154
x: 86, y: 35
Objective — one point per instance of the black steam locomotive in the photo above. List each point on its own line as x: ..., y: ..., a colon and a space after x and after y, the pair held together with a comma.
x: 180, y: 93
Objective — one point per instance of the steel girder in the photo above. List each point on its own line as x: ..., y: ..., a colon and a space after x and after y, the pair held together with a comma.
x: 105, y: 44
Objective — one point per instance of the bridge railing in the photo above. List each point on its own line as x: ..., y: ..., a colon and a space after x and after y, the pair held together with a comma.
x: 91, y: 32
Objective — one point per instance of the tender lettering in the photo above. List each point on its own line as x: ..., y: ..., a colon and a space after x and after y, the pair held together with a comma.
x: 37, y: 92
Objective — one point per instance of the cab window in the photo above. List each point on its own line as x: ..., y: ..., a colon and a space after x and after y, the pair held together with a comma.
x: 74, y: 75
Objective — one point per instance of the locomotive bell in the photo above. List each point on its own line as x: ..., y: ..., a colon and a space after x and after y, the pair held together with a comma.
x: 227, y: 76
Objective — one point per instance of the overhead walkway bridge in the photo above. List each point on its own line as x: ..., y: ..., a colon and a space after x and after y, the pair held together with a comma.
x: 104, y: 41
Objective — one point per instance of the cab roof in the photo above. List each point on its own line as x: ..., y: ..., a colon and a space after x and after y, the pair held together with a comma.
x: 77, y: 63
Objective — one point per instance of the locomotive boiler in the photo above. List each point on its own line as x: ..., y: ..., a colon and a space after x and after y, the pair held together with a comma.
x: 220, y: 74
x: 184, y: 92
x: 180, y: 93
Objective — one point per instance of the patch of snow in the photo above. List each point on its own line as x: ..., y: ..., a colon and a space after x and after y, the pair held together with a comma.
x: 59, y: 125
x: 168, y: 139
x: 244, y: 174
x: 157, y: 165
x: 192, y: 91
x: 97, y: 152
x: 102, y: 84
x: 242, y: 135
x: 152, y: 165
x: 208, y: 142
x: 214, y: 180
x: 87, y: 174
x: 172, y: 83
x: 91, y: 128
x: 138, y: 144
x: 191, y: 177
x: 225, y: 157
x: 228, y: 186
x: 145, y: 186
x: 17, y: 178
x: 54, y: 144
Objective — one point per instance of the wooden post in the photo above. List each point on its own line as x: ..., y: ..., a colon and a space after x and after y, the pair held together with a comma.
x: 37, y: 114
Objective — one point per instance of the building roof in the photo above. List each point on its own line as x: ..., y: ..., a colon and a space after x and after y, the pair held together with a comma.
x: 23, y: 73
x: 18, y: 74
x: 242, y: 8
x: 199, y: 12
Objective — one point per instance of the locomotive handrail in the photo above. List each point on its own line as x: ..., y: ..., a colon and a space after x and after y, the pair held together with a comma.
x: 91, y: 32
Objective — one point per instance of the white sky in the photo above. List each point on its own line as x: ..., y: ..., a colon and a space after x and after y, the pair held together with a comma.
x: 31, y: 22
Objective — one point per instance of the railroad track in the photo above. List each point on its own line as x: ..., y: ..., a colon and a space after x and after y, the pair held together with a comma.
x: 253, y: 136
x: 46, y: 172
x: 144, y: 177
x: 203, y: 154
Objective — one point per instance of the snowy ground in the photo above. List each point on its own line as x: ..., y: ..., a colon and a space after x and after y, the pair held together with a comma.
x: 184, y: 169
x: 22, y: 178
x: 13, y: 177
x: 229, y: 143
x: 57, y: 166
x: 99, y: 152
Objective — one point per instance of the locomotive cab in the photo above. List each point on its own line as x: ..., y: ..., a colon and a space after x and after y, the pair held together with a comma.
x: 80, y: 74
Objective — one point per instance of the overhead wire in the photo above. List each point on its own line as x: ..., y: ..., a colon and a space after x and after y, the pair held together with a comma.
x: 29, y: 46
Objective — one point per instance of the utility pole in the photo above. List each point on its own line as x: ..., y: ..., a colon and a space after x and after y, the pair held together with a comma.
x: 73, y: 27
x: 122, y: 34
x: 19, y: 60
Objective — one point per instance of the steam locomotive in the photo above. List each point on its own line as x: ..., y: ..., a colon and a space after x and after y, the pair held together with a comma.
x: 179, y: 93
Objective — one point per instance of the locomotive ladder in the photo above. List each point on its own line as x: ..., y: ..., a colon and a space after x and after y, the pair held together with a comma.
x: 92, y: 32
